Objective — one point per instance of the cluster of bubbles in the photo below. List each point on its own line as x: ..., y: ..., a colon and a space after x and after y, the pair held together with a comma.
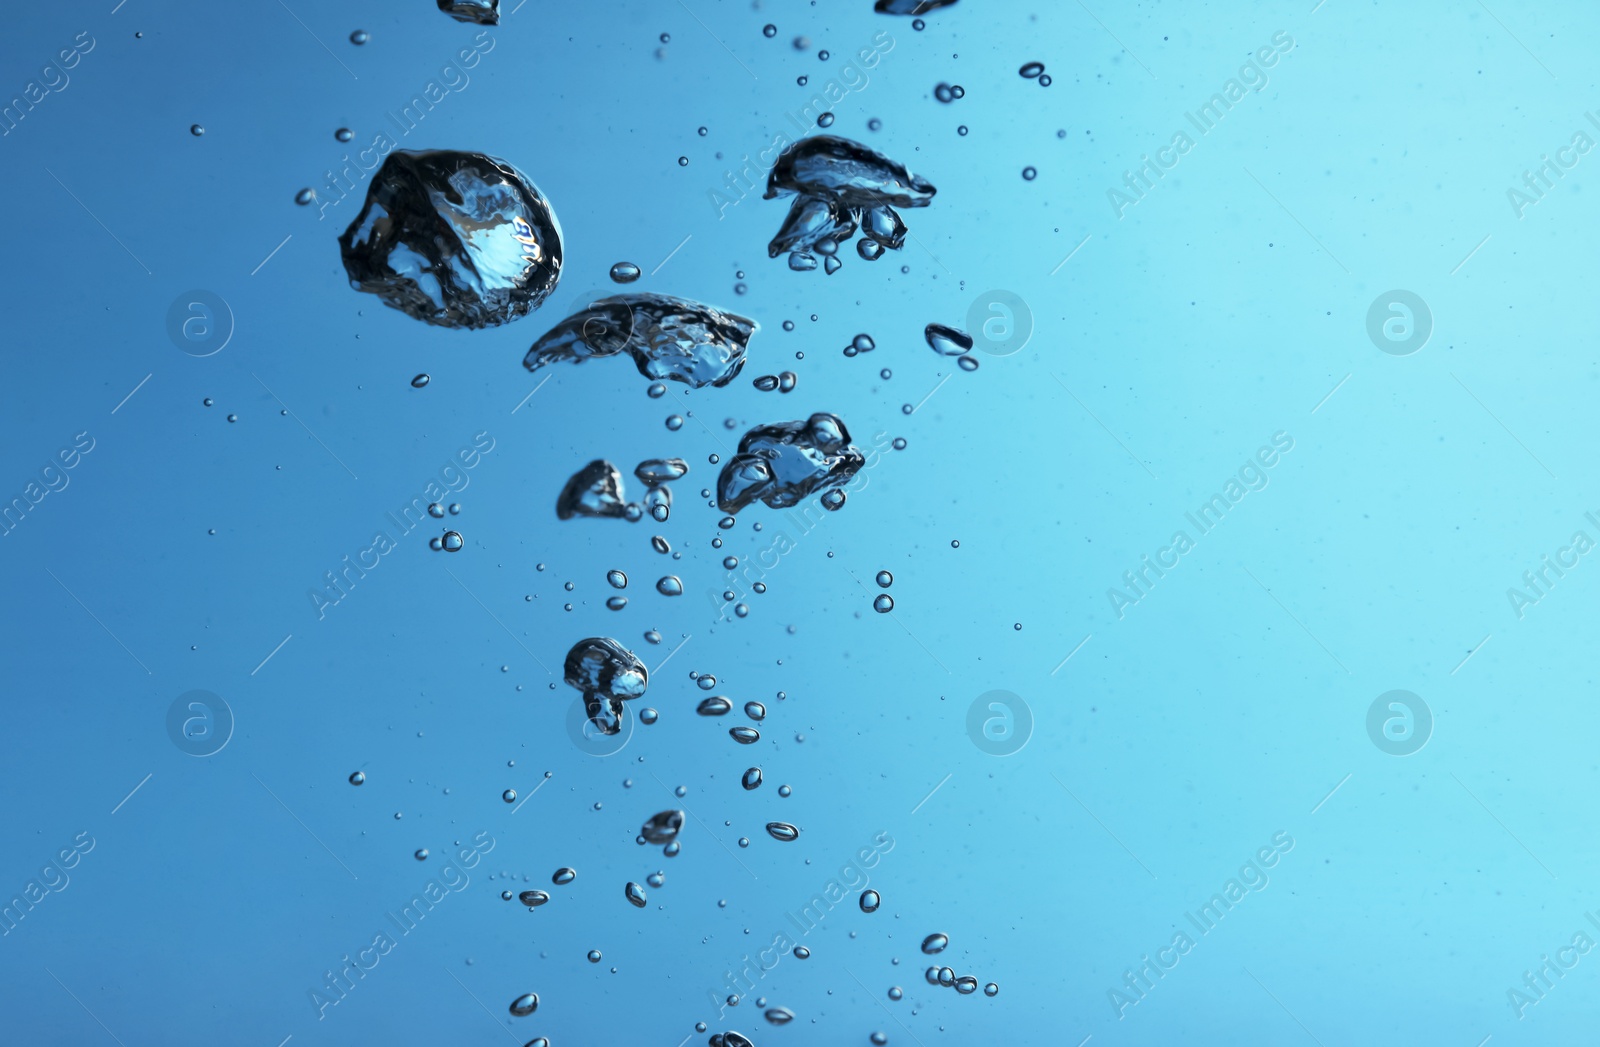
x: 834, y: 212
x: 450, y: 541
x: 1035, y: 71
x: 883, y: 603
x: 965, y: 984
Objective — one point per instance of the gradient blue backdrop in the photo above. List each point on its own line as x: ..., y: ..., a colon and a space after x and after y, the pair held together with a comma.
x: 1223, y: 307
